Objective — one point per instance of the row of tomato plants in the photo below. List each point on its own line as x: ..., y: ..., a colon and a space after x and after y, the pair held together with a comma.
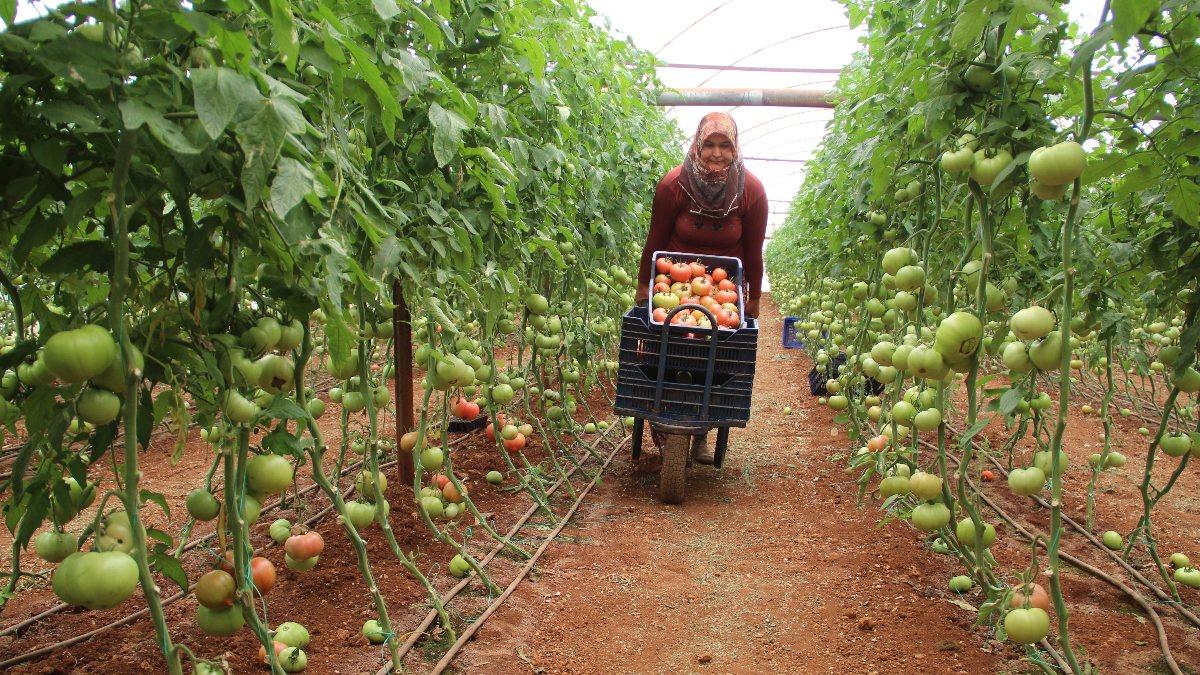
x: 203, y: 200
x: 1020, y: 210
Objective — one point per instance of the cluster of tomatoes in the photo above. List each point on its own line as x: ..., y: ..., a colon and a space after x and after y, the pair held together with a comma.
x: 681, y: 283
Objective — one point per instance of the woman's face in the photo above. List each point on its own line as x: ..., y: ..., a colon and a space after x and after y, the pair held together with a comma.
x: 717, y: 152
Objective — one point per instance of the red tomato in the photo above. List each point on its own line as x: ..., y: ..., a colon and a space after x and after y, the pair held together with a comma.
x: 463, y: 409
x: 451, y: 493
x: 517, y: 443
x: 262, y: 571
x: 877, y: 443
x: 726, y: 285
x: 262, y: 651
x: 663, y: 265
x: 660, y: 314
x: 662, y: 279
x: 681, y: 272
x: 723, y: 297
x: 988, y: 475
x: 304, y: 546
x: 720, y: 275
x: 440, y: 480
x: 662, y: 287
x: 698, y: 269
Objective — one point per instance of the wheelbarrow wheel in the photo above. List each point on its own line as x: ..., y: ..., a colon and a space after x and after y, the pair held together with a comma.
x: 672, y: 476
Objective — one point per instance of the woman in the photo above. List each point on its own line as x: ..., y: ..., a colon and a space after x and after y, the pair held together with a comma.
x: 710, y: 205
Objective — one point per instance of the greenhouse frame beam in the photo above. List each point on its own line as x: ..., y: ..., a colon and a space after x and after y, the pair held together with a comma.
x: 785, y: 98
x: 749, y: 69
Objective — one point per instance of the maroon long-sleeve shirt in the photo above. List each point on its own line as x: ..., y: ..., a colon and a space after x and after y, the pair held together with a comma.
x: 674, y: 228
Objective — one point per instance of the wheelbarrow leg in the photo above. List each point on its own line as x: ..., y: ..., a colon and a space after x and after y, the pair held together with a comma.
x: 638, y: 425
x: 722, y: 443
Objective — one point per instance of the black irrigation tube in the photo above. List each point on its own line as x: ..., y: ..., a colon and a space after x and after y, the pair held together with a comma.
x: 23, y: 658
x: 431, y: 616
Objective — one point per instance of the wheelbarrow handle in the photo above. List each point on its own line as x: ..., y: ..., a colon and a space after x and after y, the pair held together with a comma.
x: 662, y: 357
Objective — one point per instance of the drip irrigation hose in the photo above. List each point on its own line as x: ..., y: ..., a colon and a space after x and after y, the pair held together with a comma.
x: 470, y: 631
x: 431, y: 616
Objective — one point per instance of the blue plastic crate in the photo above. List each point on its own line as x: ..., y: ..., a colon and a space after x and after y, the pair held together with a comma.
x: 790, y: 339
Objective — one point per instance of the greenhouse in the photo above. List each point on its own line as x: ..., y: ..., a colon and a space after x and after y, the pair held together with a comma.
x: 600, y: 336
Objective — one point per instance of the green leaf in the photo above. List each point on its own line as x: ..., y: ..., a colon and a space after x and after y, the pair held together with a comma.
x: 448, y: 128
x: 366, y: 67
x: 35, y: 514
x: 973, y: 431
x: 170, y: 568
x: 8, y: 11
x: 1184, y: 198
x: 1009, y: 401
x: 283, y: 27
x: 80, y: 118
x: 386, y: 9
x: 261, y: 137
x: 149, y: 496
x: 218, y: 93
x: 158, y: 535
x: 293, y: 180
x: 93, y: 254
x: 1129, y: 16
x: 284, y: 408
x: 969, y: 26
x: 136, y: 114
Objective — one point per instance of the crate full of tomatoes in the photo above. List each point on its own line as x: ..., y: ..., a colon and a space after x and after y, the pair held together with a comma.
x: 709, y: 281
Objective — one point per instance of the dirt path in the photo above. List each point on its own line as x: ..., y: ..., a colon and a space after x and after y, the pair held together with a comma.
x: 769, y: 566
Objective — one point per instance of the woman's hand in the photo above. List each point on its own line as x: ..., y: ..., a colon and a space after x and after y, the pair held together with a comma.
x: 643, y: 293
x: 752, y: 308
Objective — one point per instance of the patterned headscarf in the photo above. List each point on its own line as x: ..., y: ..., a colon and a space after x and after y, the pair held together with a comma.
x: 714, y: 193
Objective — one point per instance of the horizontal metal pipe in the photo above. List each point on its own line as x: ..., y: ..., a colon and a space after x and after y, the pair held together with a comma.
x: 788, y: 98
x: 749, y: 69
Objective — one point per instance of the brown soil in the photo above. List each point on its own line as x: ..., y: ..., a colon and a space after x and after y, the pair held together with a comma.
x: 770, y: 565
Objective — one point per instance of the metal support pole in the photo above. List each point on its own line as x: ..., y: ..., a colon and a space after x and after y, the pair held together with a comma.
x: 788, y: 98
x: 403, y: 358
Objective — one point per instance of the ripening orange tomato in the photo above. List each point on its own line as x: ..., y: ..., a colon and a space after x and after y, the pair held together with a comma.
x: 698, y: 269
x: 720, y: 275
x: 663, y: 265
x: 723, y: 297
x: 726, y: 285
x: 680, y: 272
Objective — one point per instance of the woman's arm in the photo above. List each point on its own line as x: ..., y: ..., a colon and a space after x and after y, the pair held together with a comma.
x: 754, y: 232
x: 662, y: 223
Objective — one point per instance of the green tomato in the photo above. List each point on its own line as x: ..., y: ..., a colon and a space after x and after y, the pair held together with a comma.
x: 293, y: 660
x: 930, y: 517
x: 1112, y: 540
x: 280, y: 530
x: 96, y: 580
x: 202, y: 505
x: 269, y: 474
x: 1188, y: 576
x: 1026, y: 482
x: 1058, y: 164
x: 965, y: 532
x: 300, y: 565
x: 1180, y: 560
x: 360, y: 514
x: 373, y: 632
x: 54, y: 546
x: 961, y: 583
x: 958, y: 336
x: 1027, y: 626
x: 495, y: 477
x: 80, y: 354
x: 316, y: 408
x: 459, y: 567
x: 292, y: 634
